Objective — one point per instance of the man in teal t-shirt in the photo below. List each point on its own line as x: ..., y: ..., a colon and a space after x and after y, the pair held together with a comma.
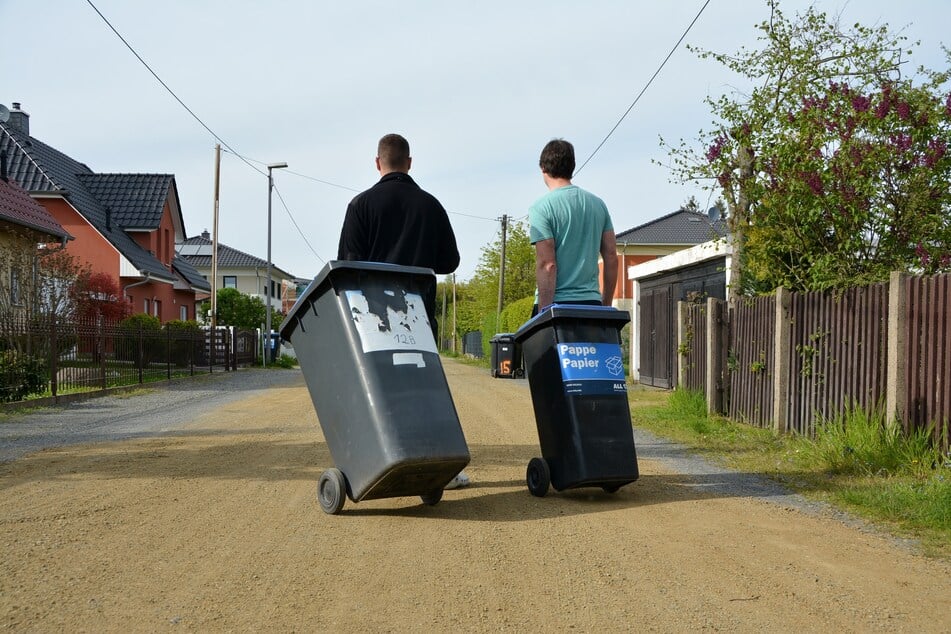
x: 570, y: 228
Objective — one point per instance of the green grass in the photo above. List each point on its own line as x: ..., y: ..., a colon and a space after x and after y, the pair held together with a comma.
x: 856, y: 462
x: 283, y: 361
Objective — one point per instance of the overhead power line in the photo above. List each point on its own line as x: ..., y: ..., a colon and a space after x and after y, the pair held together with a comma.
x: 303, y: 237
x: 166, y: 87
x: 646, y: 86
x: 228, y: 148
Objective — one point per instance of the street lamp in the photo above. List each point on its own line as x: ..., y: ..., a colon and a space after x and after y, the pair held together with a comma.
x: 267, y: 287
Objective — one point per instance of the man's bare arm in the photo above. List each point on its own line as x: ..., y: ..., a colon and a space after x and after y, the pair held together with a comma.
x: 609, y: 259
x: 546, y: 272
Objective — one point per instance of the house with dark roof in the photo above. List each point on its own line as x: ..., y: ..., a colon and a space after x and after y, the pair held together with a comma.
x: 26, y: 229
x: 125, y: 225
x: 241, y: 271
x: 668, y: 234
x: 682, y: 256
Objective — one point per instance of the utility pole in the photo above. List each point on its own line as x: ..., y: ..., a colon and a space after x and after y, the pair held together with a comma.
x: 453, y: 313
x: 498, y: 312
x: 214, y: 244
x: 442, y: 322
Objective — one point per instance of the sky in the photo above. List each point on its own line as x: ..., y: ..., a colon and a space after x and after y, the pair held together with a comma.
x: 477, y: 88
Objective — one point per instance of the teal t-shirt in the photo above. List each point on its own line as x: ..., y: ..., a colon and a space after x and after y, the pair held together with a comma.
x: 575, y: 219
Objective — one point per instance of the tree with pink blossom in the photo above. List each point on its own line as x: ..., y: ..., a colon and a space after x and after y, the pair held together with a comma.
x: 835, y: 168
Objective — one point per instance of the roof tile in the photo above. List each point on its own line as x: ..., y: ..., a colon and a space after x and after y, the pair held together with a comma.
x: 18, y: 207
x: 680, y: 227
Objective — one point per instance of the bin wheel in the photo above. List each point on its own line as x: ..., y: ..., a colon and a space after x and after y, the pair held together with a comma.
x: 611, y: 489
x: 431, y: 499
x: 538, y: 477
x: 519, y: 373
x: 331, y: 491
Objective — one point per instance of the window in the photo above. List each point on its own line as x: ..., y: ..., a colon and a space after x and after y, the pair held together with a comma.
x: 157, y: 308
x: 146, y: 306
x: 230, y: 281
x: 14, y: 287
x: 183, y: 313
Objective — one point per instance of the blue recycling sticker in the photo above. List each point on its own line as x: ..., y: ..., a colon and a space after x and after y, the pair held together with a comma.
x: 591, y: 368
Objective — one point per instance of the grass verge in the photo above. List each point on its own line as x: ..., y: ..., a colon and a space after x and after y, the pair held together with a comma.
x: 857, y: 463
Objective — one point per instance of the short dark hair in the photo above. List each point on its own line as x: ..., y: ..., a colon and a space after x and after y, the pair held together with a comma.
x: 558, y: 159
x: 393, y: 152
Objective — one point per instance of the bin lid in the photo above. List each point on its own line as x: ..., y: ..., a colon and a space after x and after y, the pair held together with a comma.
x: 503, y: 336
x: 332, y: 269
x: 557, y: 312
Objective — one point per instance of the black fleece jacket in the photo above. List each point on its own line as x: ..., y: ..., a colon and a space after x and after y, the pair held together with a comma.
x: 395, y: 221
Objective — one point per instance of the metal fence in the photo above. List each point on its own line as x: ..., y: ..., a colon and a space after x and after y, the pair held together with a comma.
x: 796, y: 358
x: 839, y: 353
x: 51, y: 357
x: 750, y: 360
x: 693, y: 348
x: 926, y: 354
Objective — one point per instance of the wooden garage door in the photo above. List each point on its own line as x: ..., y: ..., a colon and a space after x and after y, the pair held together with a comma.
x: 655, y: 333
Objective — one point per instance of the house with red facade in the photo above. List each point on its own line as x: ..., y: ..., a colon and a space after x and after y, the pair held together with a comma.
x: 124, y: 225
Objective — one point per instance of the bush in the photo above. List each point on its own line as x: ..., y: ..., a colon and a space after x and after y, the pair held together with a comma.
x: 510, y: 320
x: 147, y: 327
x: 516, y: 314
x: 187, y: 339
x: 20, y: 376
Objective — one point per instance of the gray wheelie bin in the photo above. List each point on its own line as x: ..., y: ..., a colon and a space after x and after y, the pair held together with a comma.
x: 572, y: 355
x: 369, y: 359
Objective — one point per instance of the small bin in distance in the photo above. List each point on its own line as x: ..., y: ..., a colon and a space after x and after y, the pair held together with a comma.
x: 572, y: 357
x: 506, y: 357
x: 369, y: 359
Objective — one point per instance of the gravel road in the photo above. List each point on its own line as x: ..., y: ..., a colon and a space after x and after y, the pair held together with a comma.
x: 170, y: 408
x: 192, y: 508
x: 144, y: 413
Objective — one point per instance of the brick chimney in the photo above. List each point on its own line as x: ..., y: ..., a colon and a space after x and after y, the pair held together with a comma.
x: 19, y: 120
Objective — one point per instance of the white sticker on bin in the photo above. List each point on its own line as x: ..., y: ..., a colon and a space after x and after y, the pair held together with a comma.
x: 409, y: 358
x: 391, y: 320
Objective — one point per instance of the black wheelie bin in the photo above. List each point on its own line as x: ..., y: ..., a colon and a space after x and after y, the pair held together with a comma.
x: 369, y: 359
x: 506, y: 357
x: 572, y: 356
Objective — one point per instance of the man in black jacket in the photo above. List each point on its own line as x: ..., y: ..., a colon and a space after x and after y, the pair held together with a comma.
x: 397, y: 222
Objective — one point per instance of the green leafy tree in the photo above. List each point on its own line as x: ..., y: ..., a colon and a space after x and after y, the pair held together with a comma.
x: 464, y: 319
x: 240, y: 310
x: 519, y: 272
x: 835, y: 167
x: 476, y: 300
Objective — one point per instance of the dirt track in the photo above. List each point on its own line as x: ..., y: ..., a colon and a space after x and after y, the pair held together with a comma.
x: 215, y: 528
